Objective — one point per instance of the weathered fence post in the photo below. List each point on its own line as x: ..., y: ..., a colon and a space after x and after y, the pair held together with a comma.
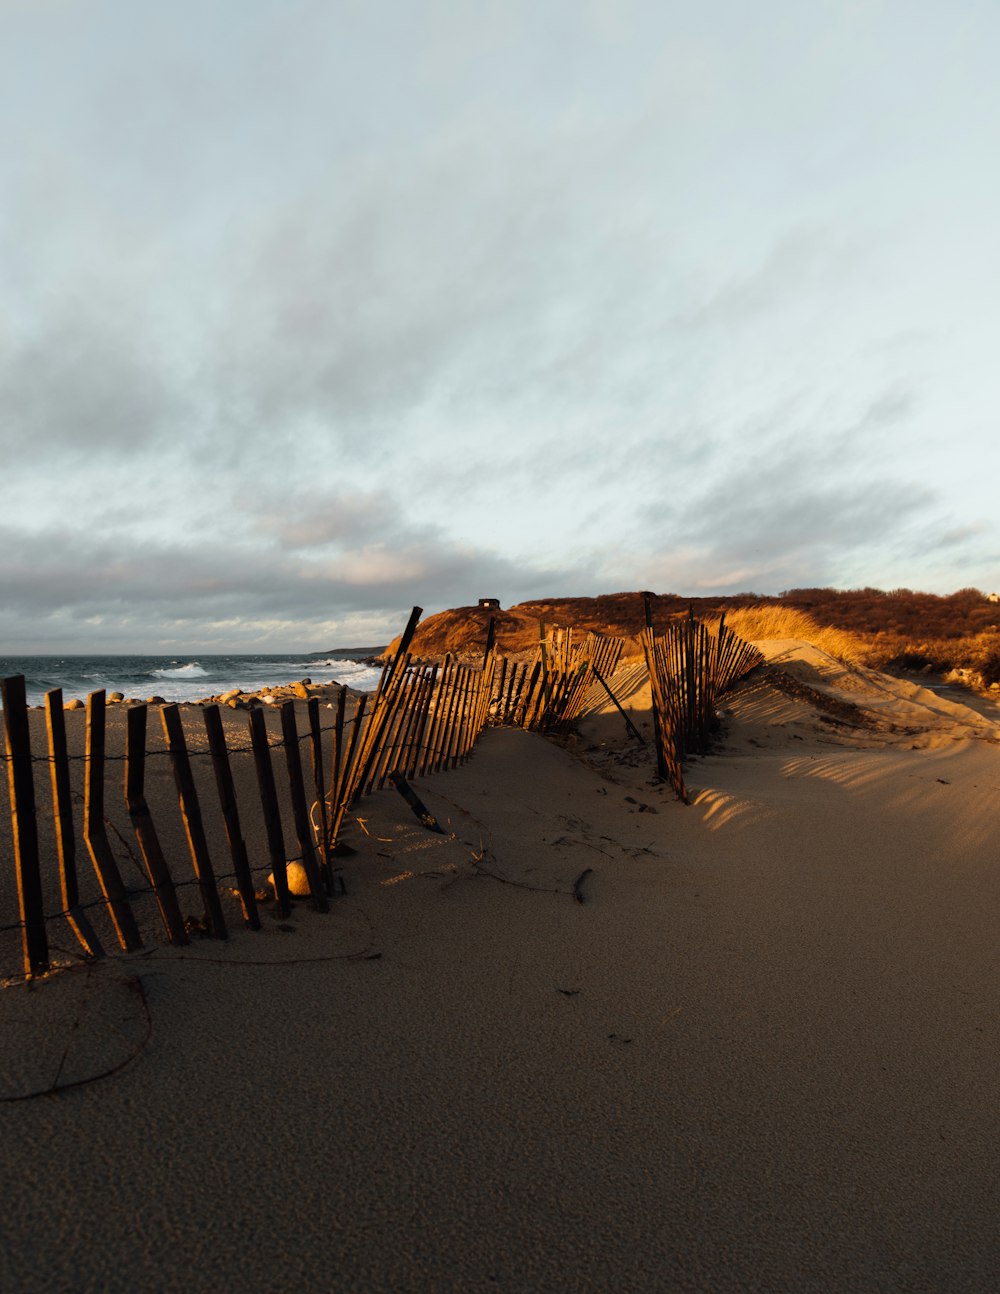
x: 231, y: 814
x: 300, y: 810
x: 96, y: 835
x: 62, y: 810
x: 423, y: 727
x: 145, y: 829
x: 269, y: 808
x: 194, y: 827
x: 24, y: 820
x: 336, y: 756
x: 316, y: 747
x: 340, y: 805
x: 661, y: 762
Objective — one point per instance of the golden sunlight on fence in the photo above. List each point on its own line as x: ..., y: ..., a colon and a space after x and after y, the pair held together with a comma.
x: 689, y: 668
x: 300, y: 782
x: 420, y: 720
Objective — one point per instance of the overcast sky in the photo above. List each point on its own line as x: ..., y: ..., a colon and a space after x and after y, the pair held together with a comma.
x: 314, y: 311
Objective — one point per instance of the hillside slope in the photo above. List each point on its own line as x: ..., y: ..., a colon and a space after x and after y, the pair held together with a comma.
x: 462, y: 630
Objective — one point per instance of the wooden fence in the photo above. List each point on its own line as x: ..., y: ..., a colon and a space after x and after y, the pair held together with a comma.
x: 550, y: 691
x: 689, y: 669
x: 422, y: 718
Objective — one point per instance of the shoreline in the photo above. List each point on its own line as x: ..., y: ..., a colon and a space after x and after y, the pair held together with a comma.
x: 178, y: 687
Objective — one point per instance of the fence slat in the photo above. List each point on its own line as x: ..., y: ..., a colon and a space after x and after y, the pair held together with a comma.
x: 194, y: 827
x: 383, y: 716
x: 336, y: 758
x: 347, y: 773
x: 428, y: 761
x: 316, y: 747
x: 442, y: 739
x: 145, y: 828
x: 661, y: 759
x: 95, y: 834
x: 24, y: 821
x: 388, y: 743
x: 461, y: 718
x: 231, y: 814
x: 423, y: 727
x: 300, y: 810
x: 618, y: 706
x: 269, y: 809
x: 62, y: 812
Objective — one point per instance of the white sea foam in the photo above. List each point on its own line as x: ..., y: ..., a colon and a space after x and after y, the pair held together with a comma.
x: 194, y: 670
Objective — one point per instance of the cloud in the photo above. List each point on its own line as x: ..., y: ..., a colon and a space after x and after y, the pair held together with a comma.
x: 798, y: 497
x: 326, y: 309
x: 88, y: 383
x: 313, y: 519
x: 799, y: 265
x: 52, y: 584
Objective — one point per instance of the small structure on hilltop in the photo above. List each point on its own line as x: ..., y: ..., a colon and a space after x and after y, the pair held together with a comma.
x: 990, y: 597
x: 492, y: 603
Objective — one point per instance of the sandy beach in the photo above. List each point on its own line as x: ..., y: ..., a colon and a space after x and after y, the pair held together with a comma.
x: 760, y: 1054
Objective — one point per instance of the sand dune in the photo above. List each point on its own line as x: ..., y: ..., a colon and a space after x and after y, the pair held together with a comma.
x: 760, y: 1054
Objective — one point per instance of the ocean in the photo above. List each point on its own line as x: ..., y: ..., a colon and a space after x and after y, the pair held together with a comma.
x: 186, y: 678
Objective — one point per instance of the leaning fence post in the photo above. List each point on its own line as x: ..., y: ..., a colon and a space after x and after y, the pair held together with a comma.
x: 336, y: 755
x: 194, y: 827
x: 145, y: 829
x: 62, y: 810
x: 422, y: 728
x: 347, y: 774
x: 95, y: 833
x: 24, y: 820
x: 316, y: 746
x: 300, y: 811
x: 661, y: 763
x: 231, y: 814
x: 618, y: 706
x: 396, y: 744
x: 428, y: 760
x: 269, y: 808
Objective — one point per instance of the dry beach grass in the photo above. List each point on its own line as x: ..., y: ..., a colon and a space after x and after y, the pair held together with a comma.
x: 760, y: 1054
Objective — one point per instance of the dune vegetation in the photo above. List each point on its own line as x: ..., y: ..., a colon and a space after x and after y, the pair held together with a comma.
x: 895, y: 630
x: 906, y: 630
x: 773, y: 620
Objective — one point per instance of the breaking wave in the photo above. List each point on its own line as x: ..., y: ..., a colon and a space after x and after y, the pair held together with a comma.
x: 194, y: 670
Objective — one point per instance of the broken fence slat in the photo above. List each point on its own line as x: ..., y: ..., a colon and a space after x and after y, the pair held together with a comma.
x: 628, y: 722
x: 416, y: 804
